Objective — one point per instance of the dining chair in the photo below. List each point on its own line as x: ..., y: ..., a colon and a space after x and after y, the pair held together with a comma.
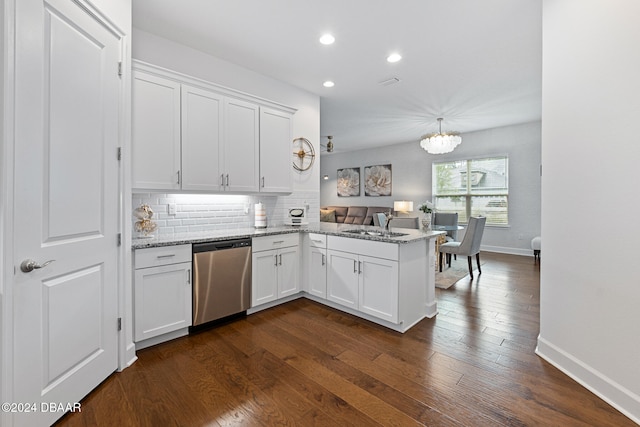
x: 443, y: 218
x: 469, y: 246
x: 405, y: 223
x: 447, y: 218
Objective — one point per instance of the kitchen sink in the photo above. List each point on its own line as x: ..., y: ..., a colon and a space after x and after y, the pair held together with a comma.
x: 375, y: 233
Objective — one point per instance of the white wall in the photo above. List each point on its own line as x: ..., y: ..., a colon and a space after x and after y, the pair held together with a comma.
x: 4, y: 191
x: 590, y: 286
x: 411, y: 170
x: 306, y: 123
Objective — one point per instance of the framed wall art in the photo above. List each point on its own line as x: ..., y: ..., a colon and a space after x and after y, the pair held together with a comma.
x: 377, y: 180
x: 348, y: 182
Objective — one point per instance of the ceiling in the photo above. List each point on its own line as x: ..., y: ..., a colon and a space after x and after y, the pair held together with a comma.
x: 477, y: 63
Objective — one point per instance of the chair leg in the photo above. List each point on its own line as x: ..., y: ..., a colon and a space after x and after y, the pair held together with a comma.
x: 449, y: 259
x: 440, y: 261
x: 470, y: 266
x: 478, y: 262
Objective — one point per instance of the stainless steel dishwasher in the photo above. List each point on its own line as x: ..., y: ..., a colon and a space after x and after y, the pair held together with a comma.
x: 221, y: 279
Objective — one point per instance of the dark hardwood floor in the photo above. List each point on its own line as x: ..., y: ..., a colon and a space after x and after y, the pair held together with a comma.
x: 304, y: 364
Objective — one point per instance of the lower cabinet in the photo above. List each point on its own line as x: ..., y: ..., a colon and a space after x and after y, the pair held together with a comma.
x: 364, y: 283
x: 275, y: 268
x: 162, y: 291
x: 317, y: 265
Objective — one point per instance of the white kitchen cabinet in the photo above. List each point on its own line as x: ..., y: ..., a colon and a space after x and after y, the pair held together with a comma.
x: 378, y: 288
x: 202, y: 126
x: 342, y: 278
x: 317, y: 265
x: 241, y: 146
x: 276, y: 153
x: 162, y: 292
x: 192, y: 135
x: 275, y: 268
x: 363, y: 282
x: 155, y: 127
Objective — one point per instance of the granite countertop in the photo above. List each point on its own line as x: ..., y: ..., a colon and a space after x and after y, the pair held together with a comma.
x: 366, y: 232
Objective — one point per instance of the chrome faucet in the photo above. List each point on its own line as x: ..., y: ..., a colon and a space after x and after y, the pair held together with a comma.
x: 388, y: 217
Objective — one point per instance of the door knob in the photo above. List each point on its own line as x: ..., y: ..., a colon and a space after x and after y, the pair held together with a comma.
x: 28, y: 265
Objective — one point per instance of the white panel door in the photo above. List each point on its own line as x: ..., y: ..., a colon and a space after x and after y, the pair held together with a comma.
x: 275, y: 151
x: 66, y: 204
x: 342, y: 278
x: 155, y: 132
x: 201, y: 139
x: 241, y: 147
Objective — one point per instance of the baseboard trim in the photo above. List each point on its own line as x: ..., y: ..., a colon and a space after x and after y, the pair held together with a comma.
x: 625, y: 401
x: 506, y: 250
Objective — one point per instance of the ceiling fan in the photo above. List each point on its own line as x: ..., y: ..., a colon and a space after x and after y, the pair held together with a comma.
x: 328, y: 147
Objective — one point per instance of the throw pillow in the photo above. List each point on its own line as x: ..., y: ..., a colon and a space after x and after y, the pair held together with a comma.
x: 327, y: 215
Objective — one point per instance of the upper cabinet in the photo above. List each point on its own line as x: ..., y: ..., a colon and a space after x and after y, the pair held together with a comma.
x: 155, y: 132
x: 275, y: 156
x: 241, y: 148
x: 193, y: 135
x: 202, y: 124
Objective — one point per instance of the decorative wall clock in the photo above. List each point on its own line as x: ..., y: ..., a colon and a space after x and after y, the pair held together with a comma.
x: 303, y: 154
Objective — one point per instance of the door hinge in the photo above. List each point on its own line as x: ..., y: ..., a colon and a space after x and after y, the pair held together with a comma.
x: 119, y: 323
x: 120, y: 69
x: 119, y: 239
x: 119, y: 153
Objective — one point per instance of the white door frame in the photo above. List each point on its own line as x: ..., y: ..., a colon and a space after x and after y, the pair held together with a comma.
x: 126, y: 347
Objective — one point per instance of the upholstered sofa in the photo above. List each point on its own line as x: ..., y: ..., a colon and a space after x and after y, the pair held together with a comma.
x: 360, y: 215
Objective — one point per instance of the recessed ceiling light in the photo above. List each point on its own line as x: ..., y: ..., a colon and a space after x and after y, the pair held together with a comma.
x: 327, y: 39
x: 328, y: 83
x: 394, y: 57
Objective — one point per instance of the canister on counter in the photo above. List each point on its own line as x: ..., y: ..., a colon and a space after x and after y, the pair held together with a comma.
x: 261, y: 216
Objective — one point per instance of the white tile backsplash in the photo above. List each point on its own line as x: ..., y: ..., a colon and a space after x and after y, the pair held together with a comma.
x: 205, y: 212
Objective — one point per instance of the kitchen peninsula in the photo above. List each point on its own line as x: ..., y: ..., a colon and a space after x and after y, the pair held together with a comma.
x: 387, y: 277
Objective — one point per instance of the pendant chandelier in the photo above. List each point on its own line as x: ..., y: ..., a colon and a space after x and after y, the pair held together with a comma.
x: 440, y: 143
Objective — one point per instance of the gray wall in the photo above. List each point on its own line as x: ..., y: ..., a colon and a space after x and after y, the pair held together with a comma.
x: 411, y: 169
x: 589, y: 286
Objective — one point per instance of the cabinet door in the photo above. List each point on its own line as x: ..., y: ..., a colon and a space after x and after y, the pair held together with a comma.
x: 342, y: 280
x: 288, y: 266
x: 378, y: 290
x: 162, y: 300
x: 318, y: 272
x: 201, y: 139
x: 264, y: 277
x: 275, y: 151
x: 241, y: 146
x: 155, y: 127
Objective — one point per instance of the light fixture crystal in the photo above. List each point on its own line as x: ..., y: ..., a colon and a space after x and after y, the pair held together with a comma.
x: 440, y: 143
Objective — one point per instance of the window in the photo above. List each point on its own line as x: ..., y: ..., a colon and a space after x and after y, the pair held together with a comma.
x: 477, y: 187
